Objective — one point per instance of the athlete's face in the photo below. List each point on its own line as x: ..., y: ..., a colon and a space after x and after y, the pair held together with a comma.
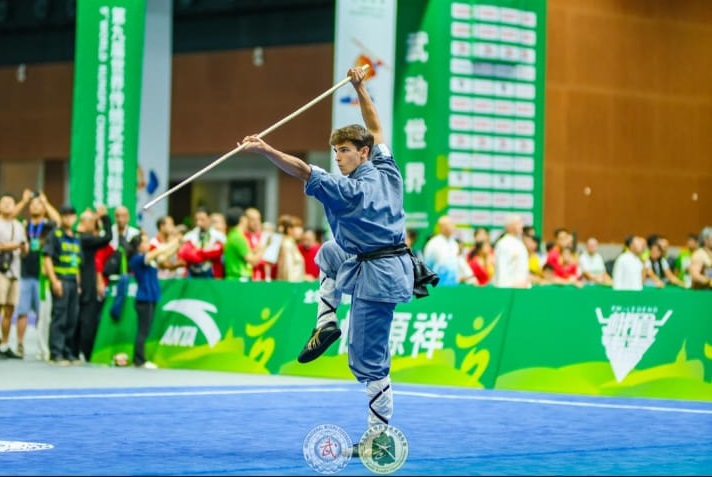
x: 348, y: 157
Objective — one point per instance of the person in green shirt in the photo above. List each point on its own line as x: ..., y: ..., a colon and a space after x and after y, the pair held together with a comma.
x: 237, y: 255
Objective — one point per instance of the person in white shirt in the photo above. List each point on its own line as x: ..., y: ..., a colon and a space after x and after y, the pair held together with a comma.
x: 628, y: 269
x: 442, y: 253
x: 593, y: 268
x: 511, y: 258
x: 121, y: 231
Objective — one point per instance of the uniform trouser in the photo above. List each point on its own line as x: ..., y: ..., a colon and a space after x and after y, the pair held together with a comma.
x: 87, y: 326
x: 65, y: 314
x: 144, y: 311
x: 369, y: 331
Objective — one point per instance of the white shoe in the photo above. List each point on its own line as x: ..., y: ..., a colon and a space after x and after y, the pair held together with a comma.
x: 149, y: 365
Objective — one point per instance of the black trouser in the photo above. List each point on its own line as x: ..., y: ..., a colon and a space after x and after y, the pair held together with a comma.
x: 89, y: 314
x: 65, y: 314
x: 145, y: 311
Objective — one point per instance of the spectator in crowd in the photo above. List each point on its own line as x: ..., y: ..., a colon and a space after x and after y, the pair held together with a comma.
x: 536, y: 272
x: 13, y: 243
x: 94, y: 232
x: 169, y: 266
x: 569, y: 269
x: 665, y: 250
x: 257, y: 238
x: 569, y: 272
x: 441, y: 252
x: 551, y: 278
x: 309, y: 246
x: 511, y: 258
x: 528, y: 231
x: 411, y: 238
x: 481, y: 262
x: 202, y: 248
x: 239, y: 258
x: 121, y: 231
x: 592, y: 265
x: 482, y: 234
x: 701, y: 262
x: 628, y: 268
x: 657, y: 269
x: 562, y: 238
x: 142, y: 262
x: 464, y: 272
x: 290, y: 265
x: 62, y: 253
x: 101, y: 257
x: 217, y: 222
x: 664, y: 244
x: 114, y: 260
x: 681, y: 267
x: 42, y: 218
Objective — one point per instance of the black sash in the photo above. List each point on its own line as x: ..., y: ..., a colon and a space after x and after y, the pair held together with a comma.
x: 390, y: 251
x: 421, y: 273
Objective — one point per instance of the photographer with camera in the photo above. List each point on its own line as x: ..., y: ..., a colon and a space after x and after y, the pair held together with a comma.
x: 13, y: 242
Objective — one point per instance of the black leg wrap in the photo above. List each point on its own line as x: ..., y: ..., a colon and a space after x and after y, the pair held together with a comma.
x: 332, y: 308
x: 373, y: 399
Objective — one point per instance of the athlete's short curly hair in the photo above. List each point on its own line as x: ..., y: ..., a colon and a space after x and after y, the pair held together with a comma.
x: 355, y: 133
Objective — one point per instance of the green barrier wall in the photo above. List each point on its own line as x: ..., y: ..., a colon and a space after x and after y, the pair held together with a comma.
x: 654, y: 343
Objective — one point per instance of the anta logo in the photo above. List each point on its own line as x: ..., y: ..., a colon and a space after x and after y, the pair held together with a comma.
x: 200, y: 313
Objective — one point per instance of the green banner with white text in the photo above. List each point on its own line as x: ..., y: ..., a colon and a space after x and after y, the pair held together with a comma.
x: 595, y: 341
x: 106, y: 103
x: 469, y: 111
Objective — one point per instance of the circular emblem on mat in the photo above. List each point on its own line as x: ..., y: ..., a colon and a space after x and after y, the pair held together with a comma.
x: 383, y: 449
x: 327, y: 448
x: 16, y: 446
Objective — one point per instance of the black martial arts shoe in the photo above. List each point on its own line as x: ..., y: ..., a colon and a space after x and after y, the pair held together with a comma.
x: 319, y: 341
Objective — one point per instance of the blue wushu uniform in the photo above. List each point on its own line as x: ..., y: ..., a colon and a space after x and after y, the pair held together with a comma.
x: 365, y: 213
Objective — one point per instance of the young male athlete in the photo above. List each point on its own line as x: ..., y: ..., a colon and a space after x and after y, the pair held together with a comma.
x: 367, y: 258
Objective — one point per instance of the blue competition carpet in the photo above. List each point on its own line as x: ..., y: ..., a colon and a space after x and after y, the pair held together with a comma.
x: 260, y: 431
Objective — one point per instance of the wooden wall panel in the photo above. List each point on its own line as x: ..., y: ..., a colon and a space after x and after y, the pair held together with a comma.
x: 556, y: 125
x: 686, y: 62
x: 631, y: 87
x: 35, y: 115
x: 220, y: 97
x: 589, y: 138
x: 55, y: 176
x: 613, y: 52
x: 647, y: 201
x: 688, y: 11
x: 554, y: 199
x: 633, y: 131
x: 557, y: 63
x: 703, y: 204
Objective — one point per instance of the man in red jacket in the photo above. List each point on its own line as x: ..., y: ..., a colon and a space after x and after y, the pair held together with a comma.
x: 309, y: 246
x: 202, y: 249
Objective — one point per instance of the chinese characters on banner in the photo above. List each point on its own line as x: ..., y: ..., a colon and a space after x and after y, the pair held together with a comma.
x: 469, y: 111
x: 106, y: 103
